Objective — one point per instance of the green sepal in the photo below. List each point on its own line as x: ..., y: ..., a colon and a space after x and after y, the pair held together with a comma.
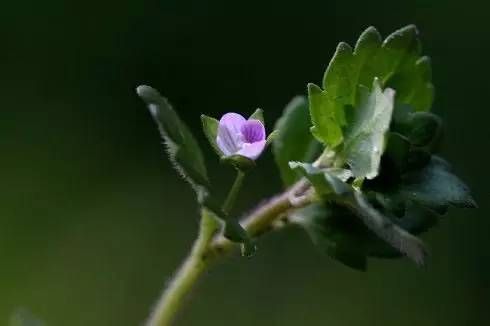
x: 239, y: 162
x: 181, y: 146
x: 210, y: 129
x: 258, y: 115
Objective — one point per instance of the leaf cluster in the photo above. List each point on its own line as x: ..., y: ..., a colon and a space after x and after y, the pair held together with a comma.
x: 372, y: 118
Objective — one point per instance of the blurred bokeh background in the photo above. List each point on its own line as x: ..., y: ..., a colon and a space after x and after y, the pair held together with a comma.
x: 93, y: 220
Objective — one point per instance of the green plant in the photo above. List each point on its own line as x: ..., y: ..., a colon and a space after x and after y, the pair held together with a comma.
x: 357, y: 158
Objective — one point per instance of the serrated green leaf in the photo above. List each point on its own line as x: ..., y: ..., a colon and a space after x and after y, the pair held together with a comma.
x: 423, y: 95
x: 401, y: 50
x: 324, y: 182
x: 294, y: 141
x: 367, y: 47
x: 436, y: 187
x: 365, y: 138
x: 327, y: 123
x: 181, y: 145
x: 396, y: 62
x: 210, y: 129
x: 340, y: 81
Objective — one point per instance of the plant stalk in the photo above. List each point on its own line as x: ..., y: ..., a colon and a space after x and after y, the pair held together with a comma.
x: 192, y: 268
x: 209, y: 247
x: 233, y: 194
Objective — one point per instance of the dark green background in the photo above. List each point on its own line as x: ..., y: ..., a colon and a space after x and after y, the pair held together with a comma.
x: 93, y: 221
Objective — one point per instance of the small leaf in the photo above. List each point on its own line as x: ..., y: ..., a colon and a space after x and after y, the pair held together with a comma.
x: 436, y: 187
x: 423, y: 95
x: 367, y: 47
x: 181, y: 145
x: 258, y: 115
x: 324, y: 182
x: 325, y: 116
x: 365, y: 138
x: 294, y: 141
x: 236, y: 233
x: 210, y: 128
x: 401, y: 48
x: 340, y: 81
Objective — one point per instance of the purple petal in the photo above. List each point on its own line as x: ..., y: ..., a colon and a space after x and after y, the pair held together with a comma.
x: 253, y: 131
x: 252, y: 150
x: 229, y: 137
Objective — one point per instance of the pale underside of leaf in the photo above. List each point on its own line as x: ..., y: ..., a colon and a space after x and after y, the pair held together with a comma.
x: 365, y: 138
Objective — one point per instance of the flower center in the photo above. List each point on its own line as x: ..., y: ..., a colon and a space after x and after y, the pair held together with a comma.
x: 252, y: 131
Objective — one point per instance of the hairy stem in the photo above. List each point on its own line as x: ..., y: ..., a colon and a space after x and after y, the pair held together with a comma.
x: 209, y: 247
x: 188, y: 274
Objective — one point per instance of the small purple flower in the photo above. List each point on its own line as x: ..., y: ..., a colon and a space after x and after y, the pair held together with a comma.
x: 238, y: 136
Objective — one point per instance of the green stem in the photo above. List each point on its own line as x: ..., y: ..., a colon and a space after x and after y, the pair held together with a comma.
x: 186, y: 277
x: 207, y: 248
x: 232, y: 195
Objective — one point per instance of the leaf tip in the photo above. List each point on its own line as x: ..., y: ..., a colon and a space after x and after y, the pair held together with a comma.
x: 370, y: 34
x: 343, y: 48
x: 410, y: 29
x: 314, y: 89
x: 147, y: 93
